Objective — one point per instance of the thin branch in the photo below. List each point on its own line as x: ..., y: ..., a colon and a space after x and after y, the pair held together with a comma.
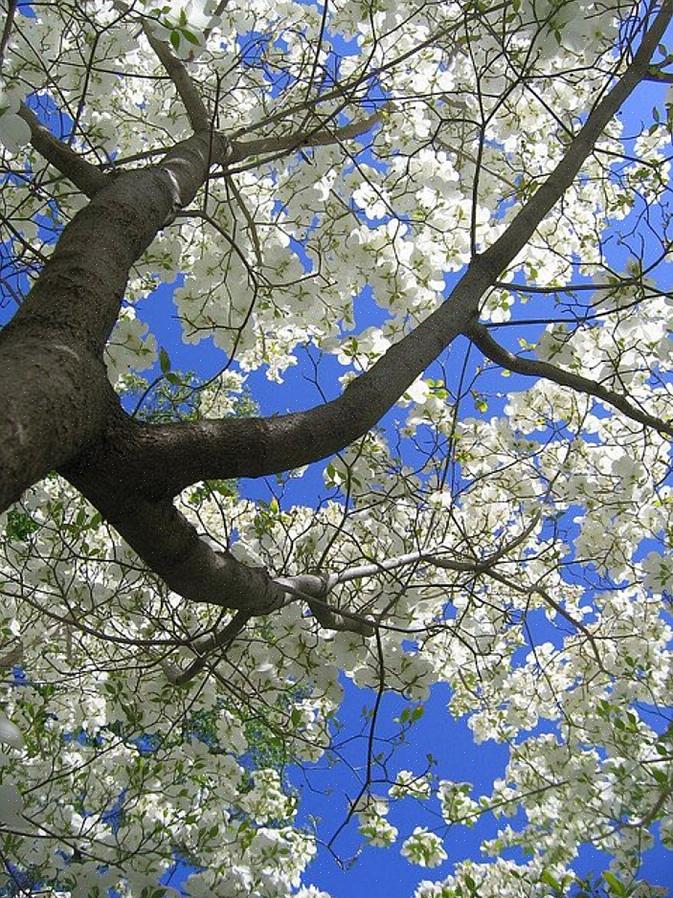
x: 312, y: 589
x: 655, y: 74
x: 241, y: 150
x: 481, y: 337
x: 12, y: 657
x: 7, y: 29
x: 558, y: 608
x: 203, y: 646
x: 434, y: 557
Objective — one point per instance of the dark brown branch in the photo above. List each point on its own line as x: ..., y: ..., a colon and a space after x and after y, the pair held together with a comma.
x: 173, y: 456
x: 170, y: 457
x: 88, y: 178
x: 130, y: 467
x: 534, y: 368
x: 56, y: 396
x: 168, y: 543
x: 177, y: 72
x: 498, y: 256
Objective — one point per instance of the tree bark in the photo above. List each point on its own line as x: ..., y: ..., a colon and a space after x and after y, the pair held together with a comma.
x: 57, y: 398
x: 59, y: 410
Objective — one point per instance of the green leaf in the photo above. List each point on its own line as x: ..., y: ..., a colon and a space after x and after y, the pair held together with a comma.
x: 19, y: 525
x: 615, y: 886
x: 164, y: 359
x: 192, y: 38
x: 660, y: 776
x: 417, y: 713
x: 550, y: 880
x: 470, y: 883
x: 175, y: 39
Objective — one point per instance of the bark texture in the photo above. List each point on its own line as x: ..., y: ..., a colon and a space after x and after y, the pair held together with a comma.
x: 59, y: 411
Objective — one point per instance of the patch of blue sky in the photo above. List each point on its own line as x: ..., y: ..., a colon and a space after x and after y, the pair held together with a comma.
x: 14, y: 283
x: 656, y: 717
x: 451, y: 741
x: 434, y: 743
x: 537, y: 627
x: 19, y: 677
x: 113, y: 816
x: 252, y: 46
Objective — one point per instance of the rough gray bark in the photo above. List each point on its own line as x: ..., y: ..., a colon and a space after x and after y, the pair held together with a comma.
x: 59, y: 410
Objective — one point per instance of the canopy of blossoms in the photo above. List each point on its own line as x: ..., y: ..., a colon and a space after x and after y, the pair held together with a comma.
x: 494, y: 180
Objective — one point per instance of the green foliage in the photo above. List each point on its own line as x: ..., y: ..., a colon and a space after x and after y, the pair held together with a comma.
x: 19, y: 525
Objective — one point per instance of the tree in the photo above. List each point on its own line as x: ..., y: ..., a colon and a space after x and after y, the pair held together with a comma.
x: 169, y: 645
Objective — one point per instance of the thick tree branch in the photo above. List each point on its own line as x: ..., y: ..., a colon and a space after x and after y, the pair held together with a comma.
x: 177, y: 72
x: 80, y: 289
x: 88, y: 178
x: 183, y: 81
x: 128, y: 470
x: 168, y: 543
x: 170, y: 457
x: 313, y: 589
x: 56, y: 396
x: 522, y: 227
x: 7, y: 29
x: 481, y: 337
x: 173, y: 456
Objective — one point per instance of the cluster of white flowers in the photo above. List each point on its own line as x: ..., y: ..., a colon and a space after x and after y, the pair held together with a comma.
x: 408, y: 785
x: 14, y: 131
x: 424, y: 848
x: 520, y: 511
x: 374, y: 827
x: 131, y: 346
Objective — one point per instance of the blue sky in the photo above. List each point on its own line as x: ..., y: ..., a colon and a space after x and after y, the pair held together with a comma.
x: 380, y: 872
x: 325, y: 790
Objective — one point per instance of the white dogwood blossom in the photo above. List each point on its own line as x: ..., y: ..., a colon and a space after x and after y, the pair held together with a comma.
x: 407, y: 268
